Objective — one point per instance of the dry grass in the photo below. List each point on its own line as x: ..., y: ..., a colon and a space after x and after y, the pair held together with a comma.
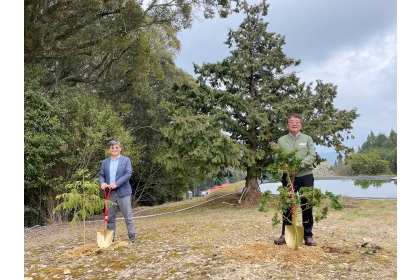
x: 214, y: 238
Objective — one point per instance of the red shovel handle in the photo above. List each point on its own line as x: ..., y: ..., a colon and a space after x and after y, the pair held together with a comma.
x: 106, y: 196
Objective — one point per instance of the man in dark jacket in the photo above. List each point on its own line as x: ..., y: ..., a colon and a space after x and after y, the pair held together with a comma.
x: 115, y: 174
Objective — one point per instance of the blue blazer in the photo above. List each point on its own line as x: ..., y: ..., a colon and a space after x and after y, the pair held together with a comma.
x: 122, y: 177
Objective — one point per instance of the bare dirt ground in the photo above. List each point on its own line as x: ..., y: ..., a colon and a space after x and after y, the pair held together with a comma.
x: 214, y: 238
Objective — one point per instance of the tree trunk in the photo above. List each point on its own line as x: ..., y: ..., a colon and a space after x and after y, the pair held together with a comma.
x: 251, y: 192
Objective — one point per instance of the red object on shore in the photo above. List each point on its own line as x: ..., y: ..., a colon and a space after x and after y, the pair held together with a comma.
x: 215, y: 188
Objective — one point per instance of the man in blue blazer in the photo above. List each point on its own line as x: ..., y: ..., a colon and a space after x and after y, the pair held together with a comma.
x: 115, y: 174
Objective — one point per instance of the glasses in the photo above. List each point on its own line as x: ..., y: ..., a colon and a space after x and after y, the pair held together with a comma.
x: 294, y: 122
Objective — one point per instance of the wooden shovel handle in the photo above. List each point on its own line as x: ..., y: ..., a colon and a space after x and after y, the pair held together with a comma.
x: 292, y: 209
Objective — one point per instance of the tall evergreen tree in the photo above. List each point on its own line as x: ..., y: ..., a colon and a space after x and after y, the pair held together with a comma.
x: 238, y: 108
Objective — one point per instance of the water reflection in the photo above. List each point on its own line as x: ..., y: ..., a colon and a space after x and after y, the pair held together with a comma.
x: 369, y: 189
x: 364, y: 184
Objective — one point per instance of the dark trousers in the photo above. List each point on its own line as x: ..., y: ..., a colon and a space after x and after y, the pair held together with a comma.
x: 307, y: 216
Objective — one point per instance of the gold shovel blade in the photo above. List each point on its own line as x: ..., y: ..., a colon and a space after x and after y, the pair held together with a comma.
x: 104, y: 238
x: 289, y: 236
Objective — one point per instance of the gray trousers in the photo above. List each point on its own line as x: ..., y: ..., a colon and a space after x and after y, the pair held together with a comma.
x: 124, y: 204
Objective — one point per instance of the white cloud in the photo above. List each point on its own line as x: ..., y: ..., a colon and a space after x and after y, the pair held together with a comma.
x: 366, y: 79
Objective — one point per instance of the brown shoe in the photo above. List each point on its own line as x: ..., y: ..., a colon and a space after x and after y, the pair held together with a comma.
x: 280, y: 241
x: 309, y: 241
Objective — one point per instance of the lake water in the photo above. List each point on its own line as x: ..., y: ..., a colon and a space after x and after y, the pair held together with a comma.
x: 362, y: 189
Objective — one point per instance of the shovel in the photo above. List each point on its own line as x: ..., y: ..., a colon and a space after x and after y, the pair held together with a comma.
x: 293, y: 234
x: 105, y: 237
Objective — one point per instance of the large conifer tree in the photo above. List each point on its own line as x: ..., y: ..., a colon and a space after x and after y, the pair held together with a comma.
x: 238, y: 108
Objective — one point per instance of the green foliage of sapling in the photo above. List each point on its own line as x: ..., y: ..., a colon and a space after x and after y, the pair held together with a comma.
x: 82, y: 198
x: 287, y: 163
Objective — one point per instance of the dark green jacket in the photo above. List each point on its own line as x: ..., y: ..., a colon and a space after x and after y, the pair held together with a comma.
x: 305, y: 150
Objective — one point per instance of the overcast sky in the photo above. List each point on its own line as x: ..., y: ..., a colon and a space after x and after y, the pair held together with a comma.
x: 351, y: 43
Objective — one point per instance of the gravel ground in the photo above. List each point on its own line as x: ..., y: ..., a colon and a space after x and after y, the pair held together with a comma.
x: 215, y: 238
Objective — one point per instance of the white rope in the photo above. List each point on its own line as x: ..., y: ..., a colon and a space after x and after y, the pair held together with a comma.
x: 172, y: 212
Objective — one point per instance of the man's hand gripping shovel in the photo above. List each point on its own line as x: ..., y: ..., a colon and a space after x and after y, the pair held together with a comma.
x: 106, y: 236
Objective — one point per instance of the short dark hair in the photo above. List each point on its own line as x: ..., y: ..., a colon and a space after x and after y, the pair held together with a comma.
x: 114, y: 142
x: 295, y: 115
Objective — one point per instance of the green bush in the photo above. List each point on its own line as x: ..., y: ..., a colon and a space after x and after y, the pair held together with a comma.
x: 368, y: 163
